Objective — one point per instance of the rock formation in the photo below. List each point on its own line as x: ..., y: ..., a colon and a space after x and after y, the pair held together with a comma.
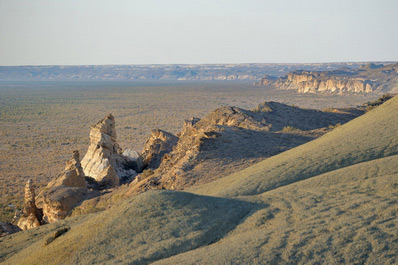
x: 230, y: 138
x: 158, y: 144
x: 65, y: 192
x: 104, y: 152
x: 59, y: 201
x: 73, y: 175
x: 367, y: 79
x: 31, y: 215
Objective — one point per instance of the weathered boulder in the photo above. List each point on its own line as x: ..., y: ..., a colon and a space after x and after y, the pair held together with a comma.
x: 105, y: 152
x: 158, y: 144
x: 59, y: 202
x: 73, y: 175
x: 31, y: 216
x: 65, y: 192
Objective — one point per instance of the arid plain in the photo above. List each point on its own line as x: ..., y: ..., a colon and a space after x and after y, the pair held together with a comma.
x: 43, y: 122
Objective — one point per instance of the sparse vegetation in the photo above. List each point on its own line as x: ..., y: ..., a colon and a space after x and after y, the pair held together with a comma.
x: 290, y: 129
x: 43, y: 122
x: 334, y: 126
x: 373, y: 104
x: 147, y: 173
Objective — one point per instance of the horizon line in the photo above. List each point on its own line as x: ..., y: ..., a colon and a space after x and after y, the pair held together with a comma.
x: 160, y: 64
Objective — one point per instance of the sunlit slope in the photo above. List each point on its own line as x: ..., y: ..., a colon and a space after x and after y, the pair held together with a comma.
x: 371, y: 136
x: 148, y: 227
x: 347, y: 216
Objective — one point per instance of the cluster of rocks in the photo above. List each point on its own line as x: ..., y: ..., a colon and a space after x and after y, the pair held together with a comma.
x: 367, y: 79
x: 227, y: 139
x: 103, y: 167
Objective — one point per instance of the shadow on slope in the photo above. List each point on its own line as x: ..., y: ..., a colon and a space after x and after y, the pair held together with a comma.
x: 368, y: 137
x: 347, y: 216
x: 229, y: 139
x: 148, y: 227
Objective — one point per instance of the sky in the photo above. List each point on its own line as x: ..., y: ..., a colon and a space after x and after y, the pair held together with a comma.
x: 90, y: 32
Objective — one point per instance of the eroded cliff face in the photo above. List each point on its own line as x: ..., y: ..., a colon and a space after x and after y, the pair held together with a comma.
x: 311, y: 82
x: 367, y: 79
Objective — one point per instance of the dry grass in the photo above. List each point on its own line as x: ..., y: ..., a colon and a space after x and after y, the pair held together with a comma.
x: 43, y: 122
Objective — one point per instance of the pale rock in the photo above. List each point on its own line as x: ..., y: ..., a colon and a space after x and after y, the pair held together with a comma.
x: 158, y: 144
x: 105, y: 152
x: 109, y: 177
x: 31, y: 215
x: 59, y: 202
x: 73, y: 175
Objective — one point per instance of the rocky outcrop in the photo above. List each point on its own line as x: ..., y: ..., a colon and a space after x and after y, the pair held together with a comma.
x: 367, y: 79
x: 31, y: 216
x: 65, y: 192
x: 104, y: 152
x: 230, y: 138
x: 267, y: 80
x: 158, y: 144
x: 311, y: 82
x: 73, y: 175
x: 59, y: 201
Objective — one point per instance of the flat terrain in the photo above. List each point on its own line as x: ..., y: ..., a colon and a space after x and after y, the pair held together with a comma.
x: 42, y: 122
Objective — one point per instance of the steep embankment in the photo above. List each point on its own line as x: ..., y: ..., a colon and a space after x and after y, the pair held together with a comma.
x: 367, y: 79
x: 282, y: 210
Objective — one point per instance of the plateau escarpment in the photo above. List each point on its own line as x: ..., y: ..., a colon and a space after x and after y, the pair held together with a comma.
x: 367, y: 79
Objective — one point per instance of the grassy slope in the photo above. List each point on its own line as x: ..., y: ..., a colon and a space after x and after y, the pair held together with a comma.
x: 346, y: 215
x: 368, y: 137
x: 151, y: 226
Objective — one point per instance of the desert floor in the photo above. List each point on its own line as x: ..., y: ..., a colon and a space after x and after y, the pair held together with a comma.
x: 43, y: 122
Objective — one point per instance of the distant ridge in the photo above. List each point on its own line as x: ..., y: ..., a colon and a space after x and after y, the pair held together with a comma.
x: 161, y: 71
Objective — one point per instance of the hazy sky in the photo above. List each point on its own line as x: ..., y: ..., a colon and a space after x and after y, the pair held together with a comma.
x: 36, y: 32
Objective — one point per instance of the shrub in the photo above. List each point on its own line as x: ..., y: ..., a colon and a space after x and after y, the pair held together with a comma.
x: 288, y: 129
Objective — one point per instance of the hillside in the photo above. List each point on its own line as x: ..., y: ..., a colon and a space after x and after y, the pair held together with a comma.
x: 332, y: 200
x: 230, y: 138
x: 366, y: 79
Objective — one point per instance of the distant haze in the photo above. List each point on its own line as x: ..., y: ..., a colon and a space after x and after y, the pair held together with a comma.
x: 75, y: 32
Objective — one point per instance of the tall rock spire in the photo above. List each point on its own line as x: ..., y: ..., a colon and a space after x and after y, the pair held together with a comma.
x: 31, y: 215
x: 104, y: 160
